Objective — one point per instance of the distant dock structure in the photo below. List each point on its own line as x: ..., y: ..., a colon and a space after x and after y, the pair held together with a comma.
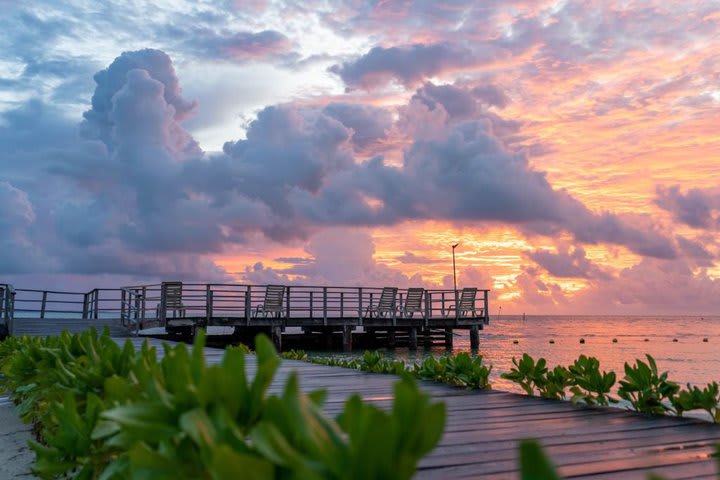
x: 303, y: 316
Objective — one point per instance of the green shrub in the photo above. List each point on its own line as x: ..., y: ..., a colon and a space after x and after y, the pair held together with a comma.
x: 528, y: 374
x: 589, y: 385
x: 108, y: 412
x: 693, y: 398
x: 555, y: 383
x: 645, y: 389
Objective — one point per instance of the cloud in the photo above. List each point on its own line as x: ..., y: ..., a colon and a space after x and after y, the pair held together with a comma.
x: 98, y: 123
x: 406, y: 64
x: 696, y: 208
x: 135, y: 190
x: 411, y: 258
x: 339, y: 257
x: 299, y: 162
x: 238, y: 46
x: 369, y: 124
x: 694, y: 249
x: 657, y: 287
x: 567, y: 263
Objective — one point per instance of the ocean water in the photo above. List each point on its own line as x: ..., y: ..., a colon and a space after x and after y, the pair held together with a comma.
x: 689, y: 360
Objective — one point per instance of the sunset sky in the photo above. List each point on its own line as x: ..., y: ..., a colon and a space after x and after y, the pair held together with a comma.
x: 572, y: 148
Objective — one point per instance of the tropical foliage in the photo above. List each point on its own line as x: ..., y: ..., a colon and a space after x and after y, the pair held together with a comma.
x: 105, y: 411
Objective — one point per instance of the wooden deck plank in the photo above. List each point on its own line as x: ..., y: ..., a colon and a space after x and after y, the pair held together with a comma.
x: 483, y: 429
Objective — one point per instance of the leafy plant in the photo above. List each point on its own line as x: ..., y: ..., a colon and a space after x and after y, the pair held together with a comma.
x: 375, y: 363
x: 645, y: 389
x: 693, y: 398
x: 528, y: 374
x: 555, y: 382
x: 108, y: 412
x: 534, y: 463
x: 464, y: 370
x: 295, y: 355
x: 589, y: 385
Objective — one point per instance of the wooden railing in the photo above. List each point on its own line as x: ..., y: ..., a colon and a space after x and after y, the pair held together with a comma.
x: 236, y: 301
x: 143, y: 305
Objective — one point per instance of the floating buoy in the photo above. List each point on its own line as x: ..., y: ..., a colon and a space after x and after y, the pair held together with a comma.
x: 552, y: 341
x: 705, y: 340
x: 582, y: 340
x: 614, y: 340
x: 647, y: 339
x: 515, y: 342
x: 674, y: 339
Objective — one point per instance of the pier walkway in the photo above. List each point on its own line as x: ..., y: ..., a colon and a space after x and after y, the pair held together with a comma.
x: 326, y: 315
x: 483, y: 429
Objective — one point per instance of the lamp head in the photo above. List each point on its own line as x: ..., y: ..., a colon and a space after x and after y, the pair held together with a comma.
x: 455, y: 245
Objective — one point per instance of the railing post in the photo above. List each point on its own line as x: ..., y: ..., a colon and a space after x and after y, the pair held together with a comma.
x: 208, y: 306
x: 486, y: 320
x: 457, y: 306
x: 42, y: 305
x: 287, y: 303
x: 96, y: 305
x: 143, y: 315
x: 136, y: 292
x: 312, y: 294
x: 428, y: 307
x: 248, y: 304
x: 86, y: 306
x: 360, y: 305
x: 10, y: 308
x: 324, y: 305
x: 122, y: 306
x: 342, y: 304
x: 442, y: 305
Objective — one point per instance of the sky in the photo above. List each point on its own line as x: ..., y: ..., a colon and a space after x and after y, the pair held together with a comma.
x: 572, y: 148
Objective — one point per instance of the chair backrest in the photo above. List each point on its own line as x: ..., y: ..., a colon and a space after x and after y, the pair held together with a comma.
x: 274, y: 295
x: 467, y: 298
x: 172, y: 293
x: 387, y: 299
x: 413, y: 300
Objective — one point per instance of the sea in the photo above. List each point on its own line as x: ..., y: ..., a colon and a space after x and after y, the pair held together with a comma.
x: 688, y: 348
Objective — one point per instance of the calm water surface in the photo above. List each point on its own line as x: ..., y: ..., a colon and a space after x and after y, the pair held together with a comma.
x: 688, y: 360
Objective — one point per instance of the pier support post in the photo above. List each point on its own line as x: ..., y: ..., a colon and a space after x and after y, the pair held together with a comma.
x: 412, y: 338
x: 347, y: 338
x: 328, y: 335
x: 427, y: 338
x: 474, y: 337
x: 276, y: 335
x: 391, y: 338
x: 449, y: 337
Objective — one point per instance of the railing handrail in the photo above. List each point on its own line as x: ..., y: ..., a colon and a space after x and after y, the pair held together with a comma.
x: 137, y: 304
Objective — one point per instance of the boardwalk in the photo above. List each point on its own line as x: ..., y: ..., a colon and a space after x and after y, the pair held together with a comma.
x: 483, y: 429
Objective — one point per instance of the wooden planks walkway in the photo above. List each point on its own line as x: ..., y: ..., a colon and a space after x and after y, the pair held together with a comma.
x: 483, y: 429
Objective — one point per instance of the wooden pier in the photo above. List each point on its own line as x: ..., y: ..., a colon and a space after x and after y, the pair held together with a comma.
x: 322, y: 316
x: 483, y: 429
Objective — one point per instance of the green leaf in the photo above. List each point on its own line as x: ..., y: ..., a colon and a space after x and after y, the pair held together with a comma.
x: 230, y: 465
x: 534, y: 464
